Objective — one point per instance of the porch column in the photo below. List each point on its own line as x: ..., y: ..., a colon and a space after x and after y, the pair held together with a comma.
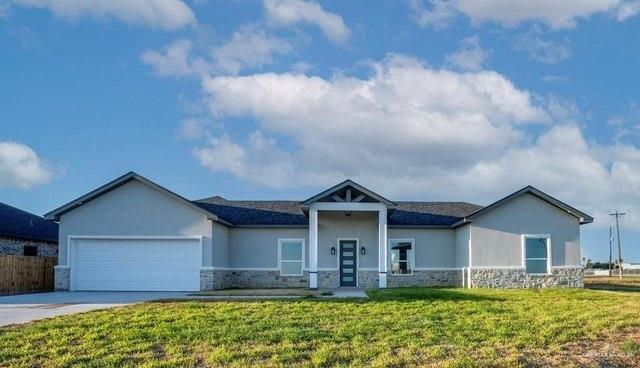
x: 382, y: 248
x: 313, y: 248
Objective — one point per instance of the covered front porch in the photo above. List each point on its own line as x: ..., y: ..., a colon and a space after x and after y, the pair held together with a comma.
x: 347, y: 238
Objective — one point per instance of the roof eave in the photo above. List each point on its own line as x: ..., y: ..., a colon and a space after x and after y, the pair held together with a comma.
x: 221, y: 221
x: 584, y: 221
x: 31, y: 238
x: 583, y: 218
x: 96, y: 193
x: 464, y: 221
x: 308, y: 202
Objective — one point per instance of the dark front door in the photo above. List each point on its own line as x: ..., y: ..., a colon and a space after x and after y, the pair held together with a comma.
x: 348, y: 255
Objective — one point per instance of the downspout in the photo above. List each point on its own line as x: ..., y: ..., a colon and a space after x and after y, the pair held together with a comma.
x: 469, y: 285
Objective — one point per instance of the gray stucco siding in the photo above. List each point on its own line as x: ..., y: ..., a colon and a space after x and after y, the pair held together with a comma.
x: 258, y: 247
x: 135, y: 209
x: 220, y: 245
x: 435, y: 248
x: 462, y: 234
x: 496, y: 237
x: 334, y: 225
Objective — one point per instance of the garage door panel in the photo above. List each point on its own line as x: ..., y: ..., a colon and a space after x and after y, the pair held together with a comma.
x: 137, y: 264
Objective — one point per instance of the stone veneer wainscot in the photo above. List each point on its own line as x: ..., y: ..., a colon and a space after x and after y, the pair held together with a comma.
x: 518, y: 278
x: 430, y: 278
x: 15, y: 247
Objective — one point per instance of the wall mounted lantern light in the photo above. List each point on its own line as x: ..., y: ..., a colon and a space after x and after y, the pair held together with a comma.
x: 363, y: 251
x: 333, y: 251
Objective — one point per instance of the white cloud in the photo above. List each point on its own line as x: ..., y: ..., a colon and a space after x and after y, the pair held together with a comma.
x: 554, y: 13
x: 626, y: 126
x: 470, y: 56
x: 259, y: 160
x: 627, y: 10
x: 192, y: 128
x: 439, y: 117
x: 21, y: 167
x: 539, y: 49
x: 175, y: 60
x: 302, y: 67
x: 431, y: 111
x: 412, y: 131
x: 250, y: 47
x: 291, y: 12
x: 438, y: 16
x: 163, y: 14
x: 4, y: 9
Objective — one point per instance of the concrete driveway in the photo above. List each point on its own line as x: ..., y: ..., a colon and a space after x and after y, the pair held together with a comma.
x: 30, y: 307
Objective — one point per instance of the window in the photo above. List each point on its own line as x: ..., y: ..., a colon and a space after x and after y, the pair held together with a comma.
x: 402, y: 256
x: 291, y: 256
x: 536, y: 254
x: 30, y: 250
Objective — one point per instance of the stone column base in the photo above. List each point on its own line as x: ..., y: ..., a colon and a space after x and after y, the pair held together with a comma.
x: 207, y: 277
x: 368, y: 279
x: 61, y: 278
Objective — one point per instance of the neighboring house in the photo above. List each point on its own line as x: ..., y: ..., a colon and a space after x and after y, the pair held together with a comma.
x: 23, y: 233
x: 132, y: 234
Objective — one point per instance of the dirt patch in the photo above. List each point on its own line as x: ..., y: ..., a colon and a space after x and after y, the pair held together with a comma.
x: 158, y: 352
x: 612, y: 351
x: 628, y: 283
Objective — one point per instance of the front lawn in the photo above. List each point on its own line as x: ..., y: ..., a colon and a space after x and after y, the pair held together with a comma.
x: 402, y: 327
x: 264, y: 292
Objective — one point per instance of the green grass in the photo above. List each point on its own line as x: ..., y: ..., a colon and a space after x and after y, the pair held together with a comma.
x: 264, y: 292
x: 401, y: 327
x: 630, y: 347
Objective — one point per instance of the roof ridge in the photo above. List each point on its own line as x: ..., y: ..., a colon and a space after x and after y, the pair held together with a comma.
x: 295, y: 200
x: 24, y: 211
x: 441, y: 203
x: 247, y: 200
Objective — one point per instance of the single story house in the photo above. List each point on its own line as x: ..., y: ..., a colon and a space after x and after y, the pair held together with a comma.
x: 25, y: 234
x: 133, y: 234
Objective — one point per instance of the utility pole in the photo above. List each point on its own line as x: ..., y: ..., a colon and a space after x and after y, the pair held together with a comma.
x: 617, y: 215
x: 610, y: 250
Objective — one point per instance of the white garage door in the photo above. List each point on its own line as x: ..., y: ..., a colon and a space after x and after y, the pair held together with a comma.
x: 136, y: 264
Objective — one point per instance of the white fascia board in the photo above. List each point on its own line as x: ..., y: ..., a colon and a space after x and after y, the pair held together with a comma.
x: 347, y: 206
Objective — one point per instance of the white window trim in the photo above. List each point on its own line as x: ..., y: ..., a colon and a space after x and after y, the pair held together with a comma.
x: 412, y: 257
x: 280, y: 241
x: 524, y: 252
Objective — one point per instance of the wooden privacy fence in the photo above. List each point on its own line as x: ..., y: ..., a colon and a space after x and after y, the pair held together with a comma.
x: 20, y: 274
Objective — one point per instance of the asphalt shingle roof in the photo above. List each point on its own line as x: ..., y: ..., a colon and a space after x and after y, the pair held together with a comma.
x: 290, y: 212
x: 255, y: 212
x: 16, y: 223
x: 430, y: 213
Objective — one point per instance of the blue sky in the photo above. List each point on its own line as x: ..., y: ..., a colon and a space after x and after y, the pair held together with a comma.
x: 425, y: 100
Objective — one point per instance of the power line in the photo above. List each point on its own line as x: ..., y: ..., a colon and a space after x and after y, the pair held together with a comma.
x: 618, y: 215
